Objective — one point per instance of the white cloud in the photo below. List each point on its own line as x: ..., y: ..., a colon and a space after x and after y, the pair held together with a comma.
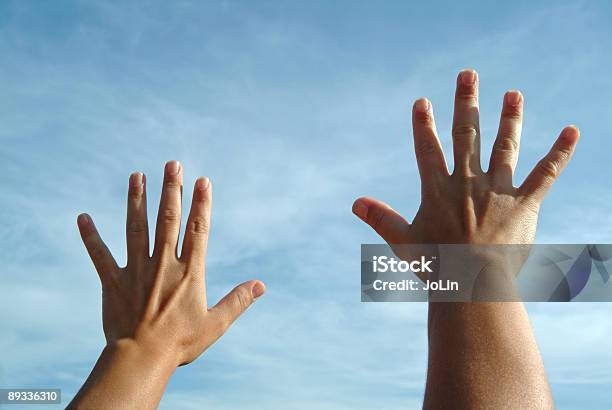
x: 291, y: 127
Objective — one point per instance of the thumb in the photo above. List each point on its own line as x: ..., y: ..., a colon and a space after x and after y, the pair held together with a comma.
x: 228, y: 309
x: 390, y: 225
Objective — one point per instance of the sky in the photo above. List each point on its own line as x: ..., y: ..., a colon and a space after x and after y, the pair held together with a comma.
x: 293, y: 109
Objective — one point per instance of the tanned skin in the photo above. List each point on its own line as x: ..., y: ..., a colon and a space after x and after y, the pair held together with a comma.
x: 155, y: 313
x: 481, y: 354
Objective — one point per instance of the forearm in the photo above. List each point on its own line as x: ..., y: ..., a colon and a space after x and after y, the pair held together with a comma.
x: 481, y: 354
x: 127, y: 375
x: 484, y: 355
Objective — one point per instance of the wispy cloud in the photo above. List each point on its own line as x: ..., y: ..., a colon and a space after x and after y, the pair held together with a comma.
x: 293, y: 111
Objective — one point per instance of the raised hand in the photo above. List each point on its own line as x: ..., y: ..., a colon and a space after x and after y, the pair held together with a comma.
x: 470, y: 205
x: 155, y: 312
x: 481, y: 355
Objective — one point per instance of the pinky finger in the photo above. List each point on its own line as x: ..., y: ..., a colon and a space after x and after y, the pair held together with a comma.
x: 98, y: 252
x: 542, y: 177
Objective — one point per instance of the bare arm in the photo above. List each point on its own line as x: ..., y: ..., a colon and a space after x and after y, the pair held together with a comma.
x: 481, y: 354
x: 484, y: 355
x: 126, y: 375
x: 155, y: 313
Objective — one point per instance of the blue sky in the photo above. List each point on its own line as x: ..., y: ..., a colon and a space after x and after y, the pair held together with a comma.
x: 293, y: 110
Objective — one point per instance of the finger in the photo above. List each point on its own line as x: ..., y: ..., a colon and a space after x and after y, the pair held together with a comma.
x: 429, y: 155
x: 169, y: 214
x: 506, y: 147
x: 235, y: 304
x: 390, y: 225
x: 198, y: 224
x: 137, y: 229
x: 541, y: 178
x: 466, y: 127
x: 98, y: 252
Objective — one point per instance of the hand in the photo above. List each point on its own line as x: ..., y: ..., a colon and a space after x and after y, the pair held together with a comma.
x: 160, y: 300
x: 470, y: 205
x: 154, y: 310
x: 481, y: 355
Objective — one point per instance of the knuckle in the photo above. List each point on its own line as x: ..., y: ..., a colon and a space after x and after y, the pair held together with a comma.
x: 508, y: 143
x: 242, y: 297
x: 376, y: 218
x: 512, y: 113
x: 200, y: 196
x: 549, y: 169
x: 172, y: 184
x: 467, y: 95
x: 422, y: 118
x: 137, y: 226
x: 199, y: 225
x: 424, y: 147
x: 135, y: 192
x: 465, y: 131
x: 564, y: 154
x: 171, y: 215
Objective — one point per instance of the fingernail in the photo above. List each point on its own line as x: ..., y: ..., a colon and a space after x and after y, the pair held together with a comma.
x: 257, y: 290
x: 136, y: 179
x: 360, y: 209
x: 173, y: 167
x: 83, y: 219
x: 421, y: 105
x: 468, y: 77
x: 203, y: 183
x: 513, y: 98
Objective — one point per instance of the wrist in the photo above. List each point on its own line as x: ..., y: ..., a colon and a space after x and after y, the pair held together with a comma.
x: 144, y: 353
x: 482, y: 273
x: 127, y: 371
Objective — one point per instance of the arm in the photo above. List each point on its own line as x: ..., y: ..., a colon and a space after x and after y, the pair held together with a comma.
x: 126, y: 375
x: 154, y: 310
x: 484, y: 355
x: 480, y: 354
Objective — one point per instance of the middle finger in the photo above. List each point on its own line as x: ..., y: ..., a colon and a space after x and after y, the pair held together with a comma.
x: 466, y: 126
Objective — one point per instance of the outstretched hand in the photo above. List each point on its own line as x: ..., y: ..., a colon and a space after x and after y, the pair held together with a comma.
x: 481, y: 355
x: 155, y: 313
x: 471, y: 205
